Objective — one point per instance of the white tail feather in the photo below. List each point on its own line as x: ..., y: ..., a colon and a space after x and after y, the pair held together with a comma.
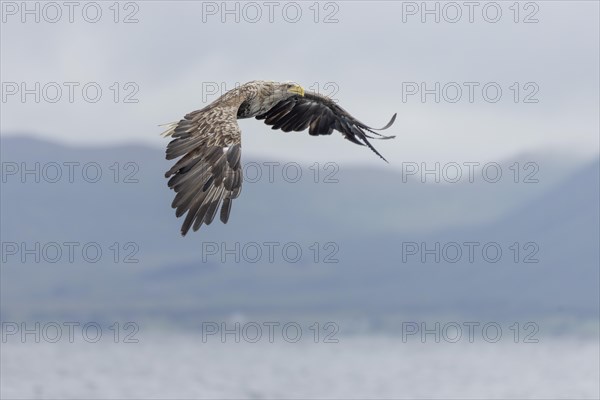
x: 170, y: 129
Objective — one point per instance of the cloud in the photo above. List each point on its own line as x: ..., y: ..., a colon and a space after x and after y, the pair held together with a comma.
x: 367, y: 58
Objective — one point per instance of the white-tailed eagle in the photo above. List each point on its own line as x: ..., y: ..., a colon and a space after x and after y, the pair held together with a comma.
x: 209, y: 174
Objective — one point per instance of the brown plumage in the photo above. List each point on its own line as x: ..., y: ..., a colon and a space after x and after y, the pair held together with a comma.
x: 209, y: 172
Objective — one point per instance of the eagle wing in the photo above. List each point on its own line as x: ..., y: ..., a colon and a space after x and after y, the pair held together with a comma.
x: 209, y: 173
x: 321, y: 116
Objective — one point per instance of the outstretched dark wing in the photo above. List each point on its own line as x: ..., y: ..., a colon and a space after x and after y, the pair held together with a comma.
x: 210, y: 171
x: 321, y: 116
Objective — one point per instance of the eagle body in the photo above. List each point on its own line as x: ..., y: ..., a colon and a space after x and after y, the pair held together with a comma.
x: 209, y: 172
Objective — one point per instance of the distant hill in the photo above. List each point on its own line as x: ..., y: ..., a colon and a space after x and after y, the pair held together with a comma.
x: 367, y: 216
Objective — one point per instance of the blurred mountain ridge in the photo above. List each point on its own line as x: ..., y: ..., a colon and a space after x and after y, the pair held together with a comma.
x: 376, y: 226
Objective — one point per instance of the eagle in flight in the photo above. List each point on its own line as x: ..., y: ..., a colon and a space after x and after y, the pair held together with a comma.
x: 210, y: 173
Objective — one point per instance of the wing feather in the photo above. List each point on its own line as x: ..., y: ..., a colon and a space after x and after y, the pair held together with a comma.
x: 320, y: 115
x: 209, y: 172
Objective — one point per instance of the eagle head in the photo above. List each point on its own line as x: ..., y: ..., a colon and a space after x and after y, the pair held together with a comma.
x: 294, y: 88
x: 270, y: 93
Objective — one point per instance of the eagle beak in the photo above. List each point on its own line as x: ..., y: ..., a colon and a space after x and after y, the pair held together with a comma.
x: 297, y: 89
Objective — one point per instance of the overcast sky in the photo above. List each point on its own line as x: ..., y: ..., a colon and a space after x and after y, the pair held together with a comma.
x: 374, y: 60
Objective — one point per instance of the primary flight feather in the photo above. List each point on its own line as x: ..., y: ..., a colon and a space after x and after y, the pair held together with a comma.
x: 209, y: 172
